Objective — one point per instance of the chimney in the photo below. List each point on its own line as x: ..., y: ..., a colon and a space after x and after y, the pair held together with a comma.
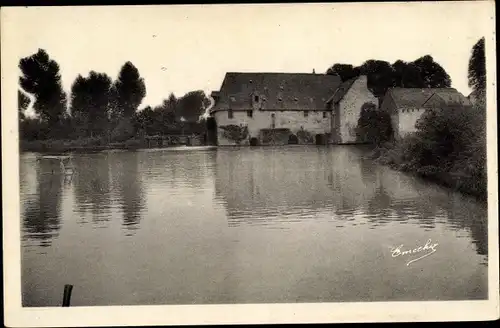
x: 314, y: 71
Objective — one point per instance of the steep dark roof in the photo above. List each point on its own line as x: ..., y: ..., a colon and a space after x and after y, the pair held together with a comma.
x: 451, y: 97
x: 428, y: 97
x: 293, y: 91
x: 410, y: 97
x: 342, y: 90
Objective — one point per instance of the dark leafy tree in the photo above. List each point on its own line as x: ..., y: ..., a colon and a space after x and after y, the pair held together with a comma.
x: 129, y: 91
x: 433, y: 75
x: 422, y: 73
x: 345, y: 71
x: 159, y: 120
x: 173, y: 116
x: 143, y: 120
x: 477, y: 67
x: 31, y: 129
x: 124, y: 130
x: 374, y: 126
x: 41, y: 78
x: 380, y: 76
x: 191, y: 106
x: 22, y: 103
x: 407, y: 75
x: 167, y: 110
x: 113, y: 108
x: 90, y: 100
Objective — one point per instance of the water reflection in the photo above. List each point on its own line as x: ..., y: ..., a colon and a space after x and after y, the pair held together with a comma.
x: 267, y: 187
x: 259, y: 188
x: 127, y: 188
x: 42, y: 221
x: 91, y: 185
x: 245, y: 225
x: 470, y: 217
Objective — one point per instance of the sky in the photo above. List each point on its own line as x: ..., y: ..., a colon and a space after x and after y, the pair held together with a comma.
x: 183, y: 48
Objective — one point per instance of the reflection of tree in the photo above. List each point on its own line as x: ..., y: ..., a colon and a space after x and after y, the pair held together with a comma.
x: 172, y: 167
x: 479, y: 234
x: 128, y: 186
x: 91, y: 185
x: 453, y: 209
x: 464, y: 212
x: 42, y: 213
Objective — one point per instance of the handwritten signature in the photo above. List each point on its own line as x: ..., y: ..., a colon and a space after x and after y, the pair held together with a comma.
x: 428, y: 249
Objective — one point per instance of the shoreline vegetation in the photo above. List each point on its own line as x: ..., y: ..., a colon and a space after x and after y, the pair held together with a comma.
x: 462, y: 182
x: 94, y: 144
x: 448, y: 148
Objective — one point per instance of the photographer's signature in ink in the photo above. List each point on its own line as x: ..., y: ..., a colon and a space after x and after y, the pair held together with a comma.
x: 422, y: 251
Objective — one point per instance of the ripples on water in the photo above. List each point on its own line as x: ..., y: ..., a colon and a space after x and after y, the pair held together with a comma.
x: 293, y: 224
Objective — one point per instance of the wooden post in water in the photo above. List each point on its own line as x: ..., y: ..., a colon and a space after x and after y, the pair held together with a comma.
x: 67, y: 295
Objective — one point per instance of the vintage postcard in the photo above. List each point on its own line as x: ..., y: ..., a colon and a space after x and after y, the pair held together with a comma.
x: 248, y: 164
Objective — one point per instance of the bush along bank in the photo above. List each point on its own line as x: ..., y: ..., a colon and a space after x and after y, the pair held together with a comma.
x: 449, y: 148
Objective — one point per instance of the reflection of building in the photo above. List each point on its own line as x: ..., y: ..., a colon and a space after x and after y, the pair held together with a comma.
x: 406, y: 105
x: 290, y: 184
x: 41, y: 219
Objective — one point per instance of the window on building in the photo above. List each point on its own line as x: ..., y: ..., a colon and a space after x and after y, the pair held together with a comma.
x: 306, y: 113
x: 273, y: 121
x: 230, y: 113
x: 324, y: 114
x: 256, y: 98
x: 250, y: 113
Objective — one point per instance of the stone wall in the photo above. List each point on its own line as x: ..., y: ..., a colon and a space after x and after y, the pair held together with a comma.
x: 407, y: 120
x: 304, y: 127
x: 350, y: 109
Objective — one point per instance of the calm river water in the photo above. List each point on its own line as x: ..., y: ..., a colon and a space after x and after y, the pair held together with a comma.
x: 248, y: 225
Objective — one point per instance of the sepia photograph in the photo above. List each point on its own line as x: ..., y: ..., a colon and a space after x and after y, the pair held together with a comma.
x: 265, y: 163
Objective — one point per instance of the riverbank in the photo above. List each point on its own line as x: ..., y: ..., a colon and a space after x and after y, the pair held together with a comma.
x: 84, y: 145
x: 94, y: 144
x: 458, y: 180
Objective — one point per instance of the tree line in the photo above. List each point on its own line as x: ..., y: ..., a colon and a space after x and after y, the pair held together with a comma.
x: 423, y: 72
x: 98, y: 107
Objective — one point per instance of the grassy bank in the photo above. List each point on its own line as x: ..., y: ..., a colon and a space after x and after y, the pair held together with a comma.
x: 456, y: 176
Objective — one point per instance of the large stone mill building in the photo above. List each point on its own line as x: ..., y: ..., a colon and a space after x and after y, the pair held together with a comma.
x: 288, y: 108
